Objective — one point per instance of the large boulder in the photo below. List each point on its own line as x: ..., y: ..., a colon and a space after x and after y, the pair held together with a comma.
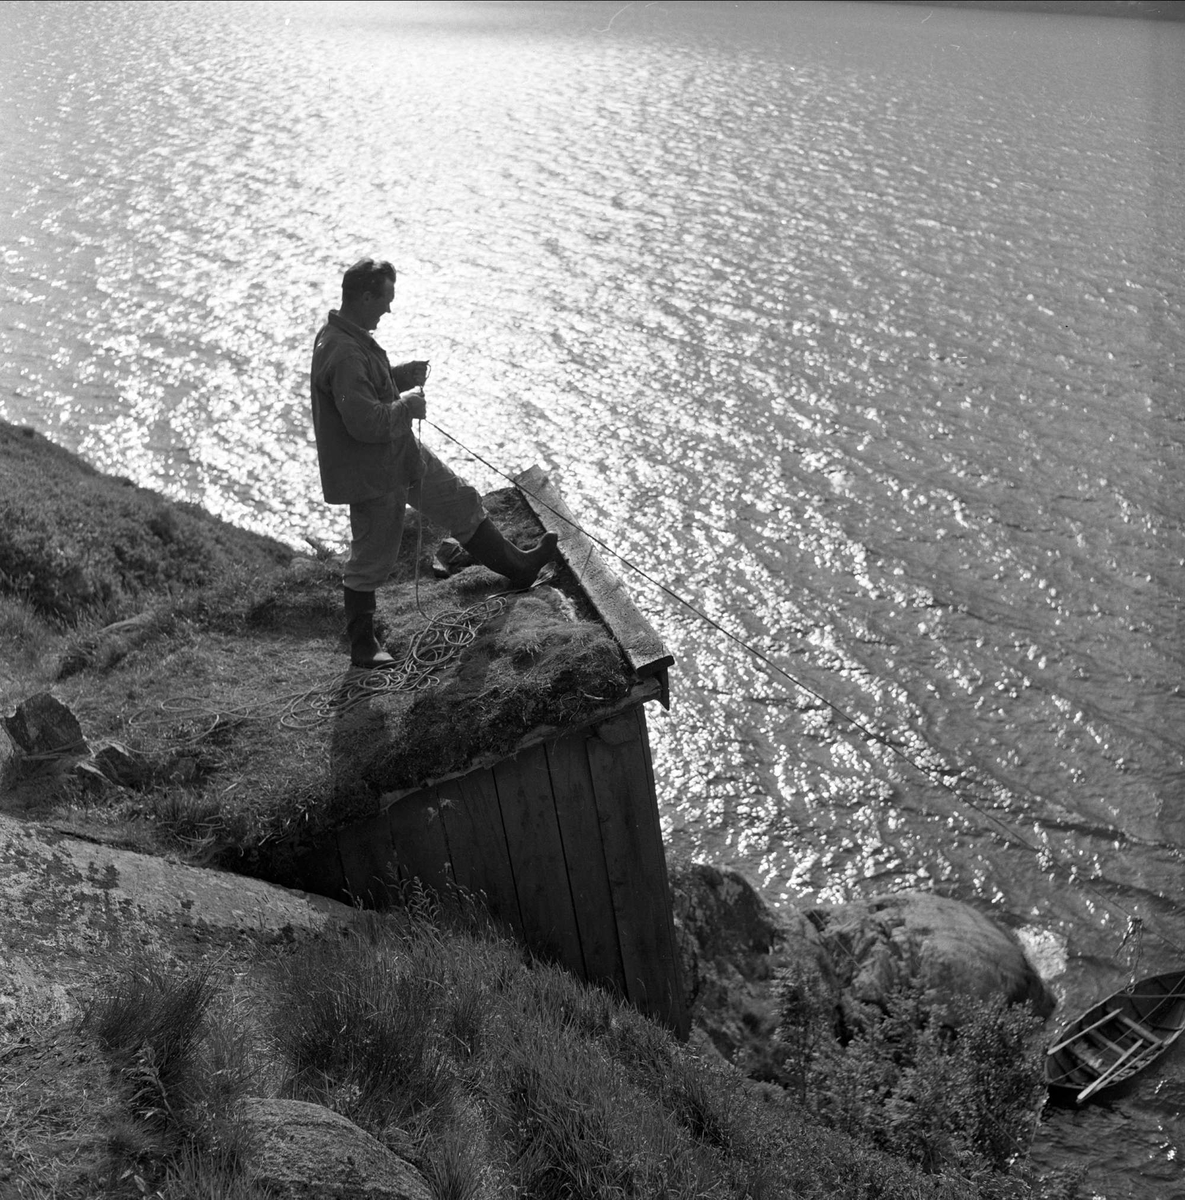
x: 306, y: 1152
x: 735, y: 949
x: 950, y: 948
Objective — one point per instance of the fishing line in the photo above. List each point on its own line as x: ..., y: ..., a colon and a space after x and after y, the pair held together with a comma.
x: 420, y: 524
x: 1044, y: 855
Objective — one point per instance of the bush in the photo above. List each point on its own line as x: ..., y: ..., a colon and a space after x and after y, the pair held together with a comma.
x: 947, y: 1087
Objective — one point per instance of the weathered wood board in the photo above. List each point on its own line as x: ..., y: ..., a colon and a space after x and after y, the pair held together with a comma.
x: 618, y: 760
x: 643, y: 648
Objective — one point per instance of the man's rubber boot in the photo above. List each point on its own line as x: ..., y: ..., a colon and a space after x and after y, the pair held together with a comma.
x: 492, y: 550
x: 365, y: 650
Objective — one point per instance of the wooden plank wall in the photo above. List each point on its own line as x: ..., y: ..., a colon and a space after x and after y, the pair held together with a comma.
x: 564, y: 843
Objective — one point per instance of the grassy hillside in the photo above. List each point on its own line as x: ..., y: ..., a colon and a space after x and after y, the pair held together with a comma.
x: 76, y: 544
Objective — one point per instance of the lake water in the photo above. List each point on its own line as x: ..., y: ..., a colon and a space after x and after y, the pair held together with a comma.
x: 856, y: 326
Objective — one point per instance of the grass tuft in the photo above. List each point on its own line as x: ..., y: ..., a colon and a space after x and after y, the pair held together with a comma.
x: 457, y: 1163
x: 192, y: 1174
x: 151, y: 1022
x: 185, y: 1052
x: 28, y: 643
x: 360, y: 1033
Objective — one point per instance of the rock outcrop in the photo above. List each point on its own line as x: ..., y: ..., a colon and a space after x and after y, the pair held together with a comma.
x: 72, y: 910
x: 732, y: 947
x: 951, y: 949
x: 307, y: 1152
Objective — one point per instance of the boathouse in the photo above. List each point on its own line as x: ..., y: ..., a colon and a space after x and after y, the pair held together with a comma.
x: 559, y: 830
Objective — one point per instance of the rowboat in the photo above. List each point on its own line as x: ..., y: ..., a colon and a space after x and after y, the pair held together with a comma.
x: 1118, y: 1037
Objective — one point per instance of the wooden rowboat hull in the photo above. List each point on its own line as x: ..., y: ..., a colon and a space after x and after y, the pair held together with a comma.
x: 1118, y: 1037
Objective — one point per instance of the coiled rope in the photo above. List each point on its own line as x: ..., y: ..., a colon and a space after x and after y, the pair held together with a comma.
x: 432, y: 649
x: 435, y: 647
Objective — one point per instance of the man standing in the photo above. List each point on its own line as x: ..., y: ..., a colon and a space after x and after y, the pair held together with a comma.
x: 363, y: 410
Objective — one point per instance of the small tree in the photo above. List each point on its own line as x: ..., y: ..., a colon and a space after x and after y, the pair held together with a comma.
x: 807, y: 1026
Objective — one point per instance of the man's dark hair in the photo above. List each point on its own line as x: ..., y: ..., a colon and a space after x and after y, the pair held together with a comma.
x: 366, y: 275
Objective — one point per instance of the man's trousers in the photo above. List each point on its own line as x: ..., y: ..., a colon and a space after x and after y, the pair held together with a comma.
x: 376, y: 526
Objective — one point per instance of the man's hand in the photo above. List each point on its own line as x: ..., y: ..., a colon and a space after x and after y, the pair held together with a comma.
x: 415, y: 403
x: 411, y: 374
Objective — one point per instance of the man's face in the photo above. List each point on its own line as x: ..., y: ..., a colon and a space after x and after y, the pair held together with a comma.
x: 376, y: 304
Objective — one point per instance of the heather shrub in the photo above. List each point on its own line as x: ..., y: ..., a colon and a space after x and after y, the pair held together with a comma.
x: 953, y: 1087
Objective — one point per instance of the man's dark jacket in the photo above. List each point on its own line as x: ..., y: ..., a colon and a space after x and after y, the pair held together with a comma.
x: 365, y: 443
